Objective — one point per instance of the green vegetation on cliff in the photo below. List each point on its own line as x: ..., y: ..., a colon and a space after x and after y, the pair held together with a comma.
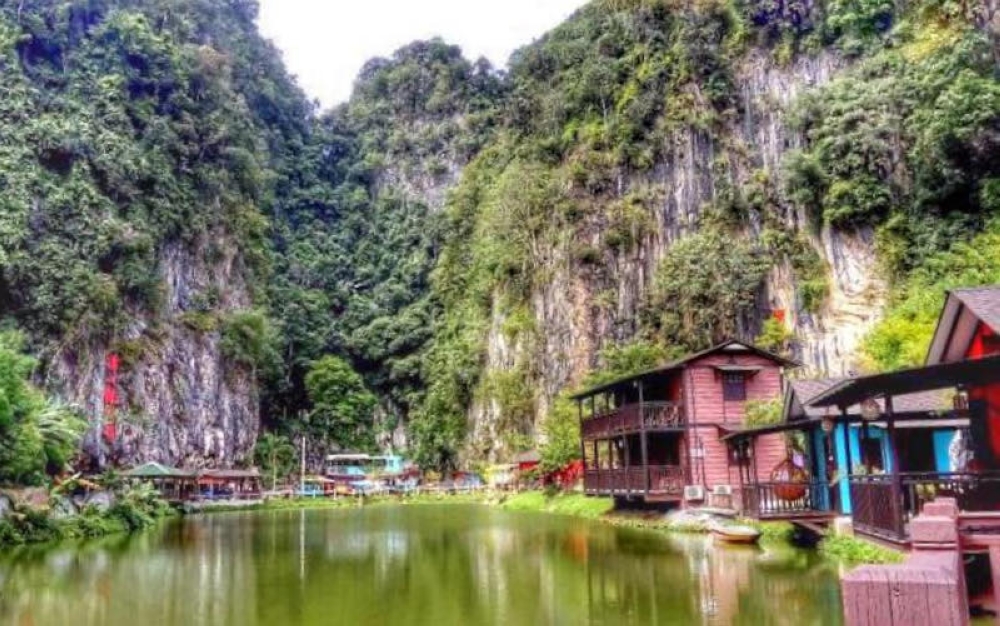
x: 161, y: 170
x: 125, y: 135
x: 39, y: 437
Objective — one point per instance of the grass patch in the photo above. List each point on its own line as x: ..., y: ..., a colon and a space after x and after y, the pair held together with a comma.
x: 563, y: 503
x: 771, y: 531
x: 854, y: 551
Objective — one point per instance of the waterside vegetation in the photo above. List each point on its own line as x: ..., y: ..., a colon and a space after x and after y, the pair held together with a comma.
x: 123, y: 510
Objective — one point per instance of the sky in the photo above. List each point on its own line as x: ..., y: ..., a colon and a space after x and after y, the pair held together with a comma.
x: 325, y: 42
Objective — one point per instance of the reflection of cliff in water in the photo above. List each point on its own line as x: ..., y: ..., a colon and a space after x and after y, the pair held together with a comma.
x: 413, y: 565
x: 196, y: 564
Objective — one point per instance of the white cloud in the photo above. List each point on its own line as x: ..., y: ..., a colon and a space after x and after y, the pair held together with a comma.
x: 325, y: 42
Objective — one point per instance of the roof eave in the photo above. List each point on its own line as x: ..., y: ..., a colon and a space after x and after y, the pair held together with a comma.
x: 951, y: 310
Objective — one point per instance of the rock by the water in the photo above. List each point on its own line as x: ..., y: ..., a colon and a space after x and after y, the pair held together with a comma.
x: 6, y: 505
x: 100, y: 500
x: 63, y: 507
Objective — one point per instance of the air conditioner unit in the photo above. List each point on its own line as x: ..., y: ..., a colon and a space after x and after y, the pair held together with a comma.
x: 722, y: 490
x: 694, y: 492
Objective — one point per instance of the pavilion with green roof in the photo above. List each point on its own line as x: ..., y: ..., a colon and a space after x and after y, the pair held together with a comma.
x: 174, y: 484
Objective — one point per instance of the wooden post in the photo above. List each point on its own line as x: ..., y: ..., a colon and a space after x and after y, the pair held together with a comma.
x: 995, y: 572
x: 583, y: 441
x: 814, y: 461
x: 897, y: 479
x: 847, y: 472
x: 847, y: 443
x: 302, y: 467
x: 644, y: 443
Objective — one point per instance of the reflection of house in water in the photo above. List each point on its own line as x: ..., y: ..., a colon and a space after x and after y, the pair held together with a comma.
x: 743, y: 585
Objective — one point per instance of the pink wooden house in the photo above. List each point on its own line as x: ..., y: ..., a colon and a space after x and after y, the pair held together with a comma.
x: 657, y: 436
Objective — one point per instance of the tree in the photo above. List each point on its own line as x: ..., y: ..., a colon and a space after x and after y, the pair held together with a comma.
x: 276, y: 456
x: 561, y: 429
x: 60, y: 427
x: 342, y: 407
x: 37, y: 437
x: 704, y: 289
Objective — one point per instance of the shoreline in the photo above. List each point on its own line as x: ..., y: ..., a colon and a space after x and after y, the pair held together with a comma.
x: 128, y: 513
x: 40, y: 526
x: 843, y: 549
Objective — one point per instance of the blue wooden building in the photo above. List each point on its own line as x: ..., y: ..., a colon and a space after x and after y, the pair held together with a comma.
x: 926, y: 435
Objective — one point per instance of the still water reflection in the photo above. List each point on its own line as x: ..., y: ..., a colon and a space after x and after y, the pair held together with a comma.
x: 410, y: 565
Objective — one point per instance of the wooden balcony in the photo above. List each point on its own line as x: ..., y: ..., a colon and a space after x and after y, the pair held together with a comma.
x: 660, y: 481
x: 633, y: 418
x: 883, y: 504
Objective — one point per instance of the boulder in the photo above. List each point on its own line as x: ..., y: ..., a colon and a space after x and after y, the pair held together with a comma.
x: 62, y: 507
x: 6, y: 505
x: 100, y: 500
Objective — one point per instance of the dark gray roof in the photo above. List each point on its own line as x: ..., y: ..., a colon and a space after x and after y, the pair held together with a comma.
x: 983, y: 302
x: 730, y: 345
x: 230, y: 473
x: 531, y: 456
x: 943, y: 376
x: 919, y: 402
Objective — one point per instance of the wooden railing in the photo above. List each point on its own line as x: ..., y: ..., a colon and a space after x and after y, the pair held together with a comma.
x: 877, y: 507
x: 662, y: 479
x: 973, y: 491
x: 632, y: 418
x: 883, y: 505
x: 784, y: 499
x: 658, y: 415
x: 667, y: 479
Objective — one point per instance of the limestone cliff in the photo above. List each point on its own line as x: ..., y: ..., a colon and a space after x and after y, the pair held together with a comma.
x: 180, y: 398
x: 637, y: 126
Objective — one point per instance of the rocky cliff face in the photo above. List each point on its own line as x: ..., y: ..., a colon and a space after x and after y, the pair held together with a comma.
x: 471, y: 241
x: 140, y: 157
x: 578, y: 310
x: 180, y: 399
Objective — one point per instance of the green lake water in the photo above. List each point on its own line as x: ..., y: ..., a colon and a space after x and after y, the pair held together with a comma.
x: 417, y: 565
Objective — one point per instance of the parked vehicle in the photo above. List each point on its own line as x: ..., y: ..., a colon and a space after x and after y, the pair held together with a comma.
x: 463, y: 481
x: 368, y: 474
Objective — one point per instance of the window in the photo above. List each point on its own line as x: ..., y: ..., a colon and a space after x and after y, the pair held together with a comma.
x: 734, y: 387
x: 871, y: 454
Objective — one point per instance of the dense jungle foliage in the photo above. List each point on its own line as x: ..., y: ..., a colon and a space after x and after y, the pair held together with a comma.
x: 375, y: 245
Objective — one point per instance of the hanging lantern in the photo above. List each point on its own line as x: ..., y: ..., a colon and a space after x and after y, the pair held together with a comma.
x: 870, y: 409
x: 960, y: 401
x: 790, y: 481
x: 827, y: 425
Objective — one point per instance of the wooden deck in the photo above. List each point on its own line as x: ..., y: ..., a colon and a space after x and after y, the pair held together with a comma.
x: 654, y: 483
x: 635, y: 418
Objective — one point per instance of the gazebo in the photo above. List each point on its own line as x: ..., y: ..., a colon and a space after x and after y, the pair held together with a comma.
x: 231, y: 484
x: 175, y: 485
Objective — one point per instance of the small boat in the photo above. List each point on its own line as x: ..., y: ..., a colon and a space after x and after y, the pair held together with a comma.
x: 735, y: 534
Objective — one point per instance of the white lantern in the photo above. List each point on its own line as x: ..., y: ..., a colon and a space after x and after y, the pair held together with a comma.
x: 870, y: 409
